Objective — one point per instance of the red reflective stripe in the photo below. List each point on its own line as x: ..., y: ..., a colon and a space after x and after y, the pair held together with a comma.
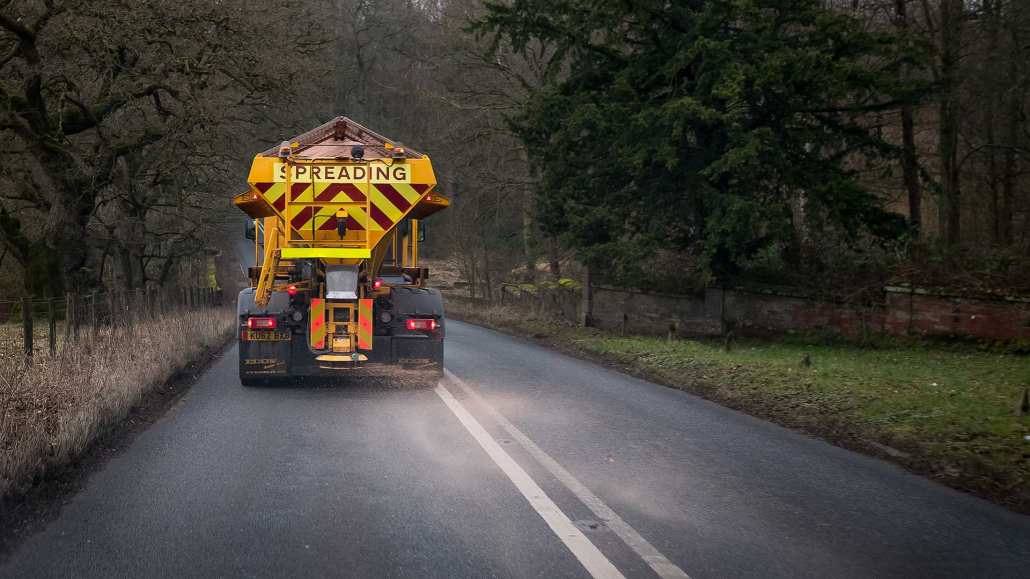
x: 296, y: 189
x: 419, y: 188
x: 393, y: 196
x: 301, y: 218
x: 317, y: 321
x: 365, y: 325
x: 280, y: 203
x: 329, y: 192
x: 329, y: 224
x: 262, y: 187
x: 379, y: 217
x: 353, y: 192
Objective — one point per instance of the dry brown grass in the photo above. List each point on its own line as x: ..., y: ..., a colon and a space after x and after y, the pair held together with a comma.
x: 52, y: 409
x: 442, y: 273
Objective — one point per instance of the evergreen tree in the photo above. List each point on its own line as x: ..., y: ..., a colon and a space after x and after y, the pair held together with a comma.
x: 715, y: 126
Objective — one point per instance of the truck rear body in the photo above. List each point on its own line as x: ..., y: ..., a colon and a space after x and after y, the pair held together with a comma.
x: 337, y: 289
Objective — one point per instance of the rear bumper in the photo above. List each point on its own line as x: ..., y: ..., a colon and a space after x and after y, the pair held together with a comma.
x: 389, y: 357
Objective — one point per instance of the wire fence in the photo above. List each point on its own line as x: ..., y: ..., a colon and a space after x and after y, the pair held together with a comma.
x: 34, y: 327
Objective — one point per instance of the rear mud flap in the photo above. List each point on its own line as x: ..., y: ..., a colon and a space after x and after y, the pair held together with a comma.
x: 421, y: 354
x: 264, y: 359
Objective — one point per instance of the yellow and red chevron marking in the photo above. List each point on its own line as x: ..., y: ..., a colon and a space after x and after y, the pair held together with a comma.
x: 341, y: 192
x: 387, y: 203
x: 330, y: 193
x: 320, y: 216
x: 390, y: 201
x: 317, y: 333
x: 365, y: 324
x: 274, y: 193
x: 300, y: 192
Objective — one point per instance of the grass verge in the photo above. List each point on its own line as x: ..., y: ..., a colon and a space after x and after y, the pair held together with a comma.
x: 945, y: 412
x: 52, y: 410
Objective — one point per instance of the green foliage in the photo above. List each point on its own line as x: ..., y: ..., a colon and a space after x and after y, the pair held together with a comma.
x: 664, y: 126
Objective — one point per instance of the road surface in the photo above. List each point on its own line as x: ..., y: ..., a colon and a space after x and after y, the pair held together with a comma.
x: 521, y: 463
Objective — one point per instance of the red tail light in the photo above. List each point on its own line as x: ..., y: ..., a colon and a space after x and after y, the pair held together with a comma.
x: 261, y: 323
x: 421, y: 324
x: 291, y: 289
x: 377, y: 283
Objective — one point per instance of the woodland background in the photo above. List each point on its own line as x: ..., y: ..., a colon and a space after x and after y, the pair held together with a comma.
x: 835, y: 146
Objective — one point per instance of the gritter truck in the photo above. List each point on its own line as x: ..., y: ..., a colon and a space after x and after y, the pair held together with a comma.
x: 336, y: 217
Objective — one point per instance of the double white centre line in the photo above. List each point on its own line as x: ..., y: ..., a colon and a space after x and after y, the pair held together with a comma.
x: 595, y: 562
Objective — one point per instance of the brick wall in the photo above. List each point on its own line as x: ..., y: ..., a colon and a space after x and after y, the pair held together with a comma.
x: 784, y: 312
x: 900, y: 312
x: 920, y: 312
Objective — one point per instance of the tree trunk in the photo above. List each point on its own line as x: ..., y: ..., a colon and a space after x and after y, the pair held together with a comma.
x: 950, y: 213
x: 909, y: 161
x: 486, y: 272
x: 125, y: 276
x: 993, y: 13
x: 1012, y: 121
x: 910, y: 172
x: 42, y: 270
x: 166, y: 269
x: 527, y: 236
x: 552, y: 257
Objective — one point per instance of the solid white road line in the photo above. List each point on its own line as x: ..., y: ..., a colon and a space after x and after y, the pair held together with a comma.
x: 595, y: 562
x: 628, y: 534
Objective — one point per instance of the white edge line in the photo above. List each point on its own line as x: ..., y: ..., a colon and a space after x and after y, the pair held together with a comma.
x: 644, y: 549
x: 595, y: 562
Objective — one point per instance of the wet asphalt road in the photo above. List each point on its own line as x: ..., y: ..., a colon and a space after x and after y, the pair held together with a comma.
x: 360, y: 480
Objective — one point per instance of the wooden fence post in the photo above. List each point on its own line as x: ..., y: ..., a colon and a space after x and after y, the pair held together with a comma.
x: 26, y: 322
x: 112, y: 299
x: 589, y: 277
x: 67, y: 317
x: 73, y: 313
x: 51, y: 305
x: 96, y: 313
